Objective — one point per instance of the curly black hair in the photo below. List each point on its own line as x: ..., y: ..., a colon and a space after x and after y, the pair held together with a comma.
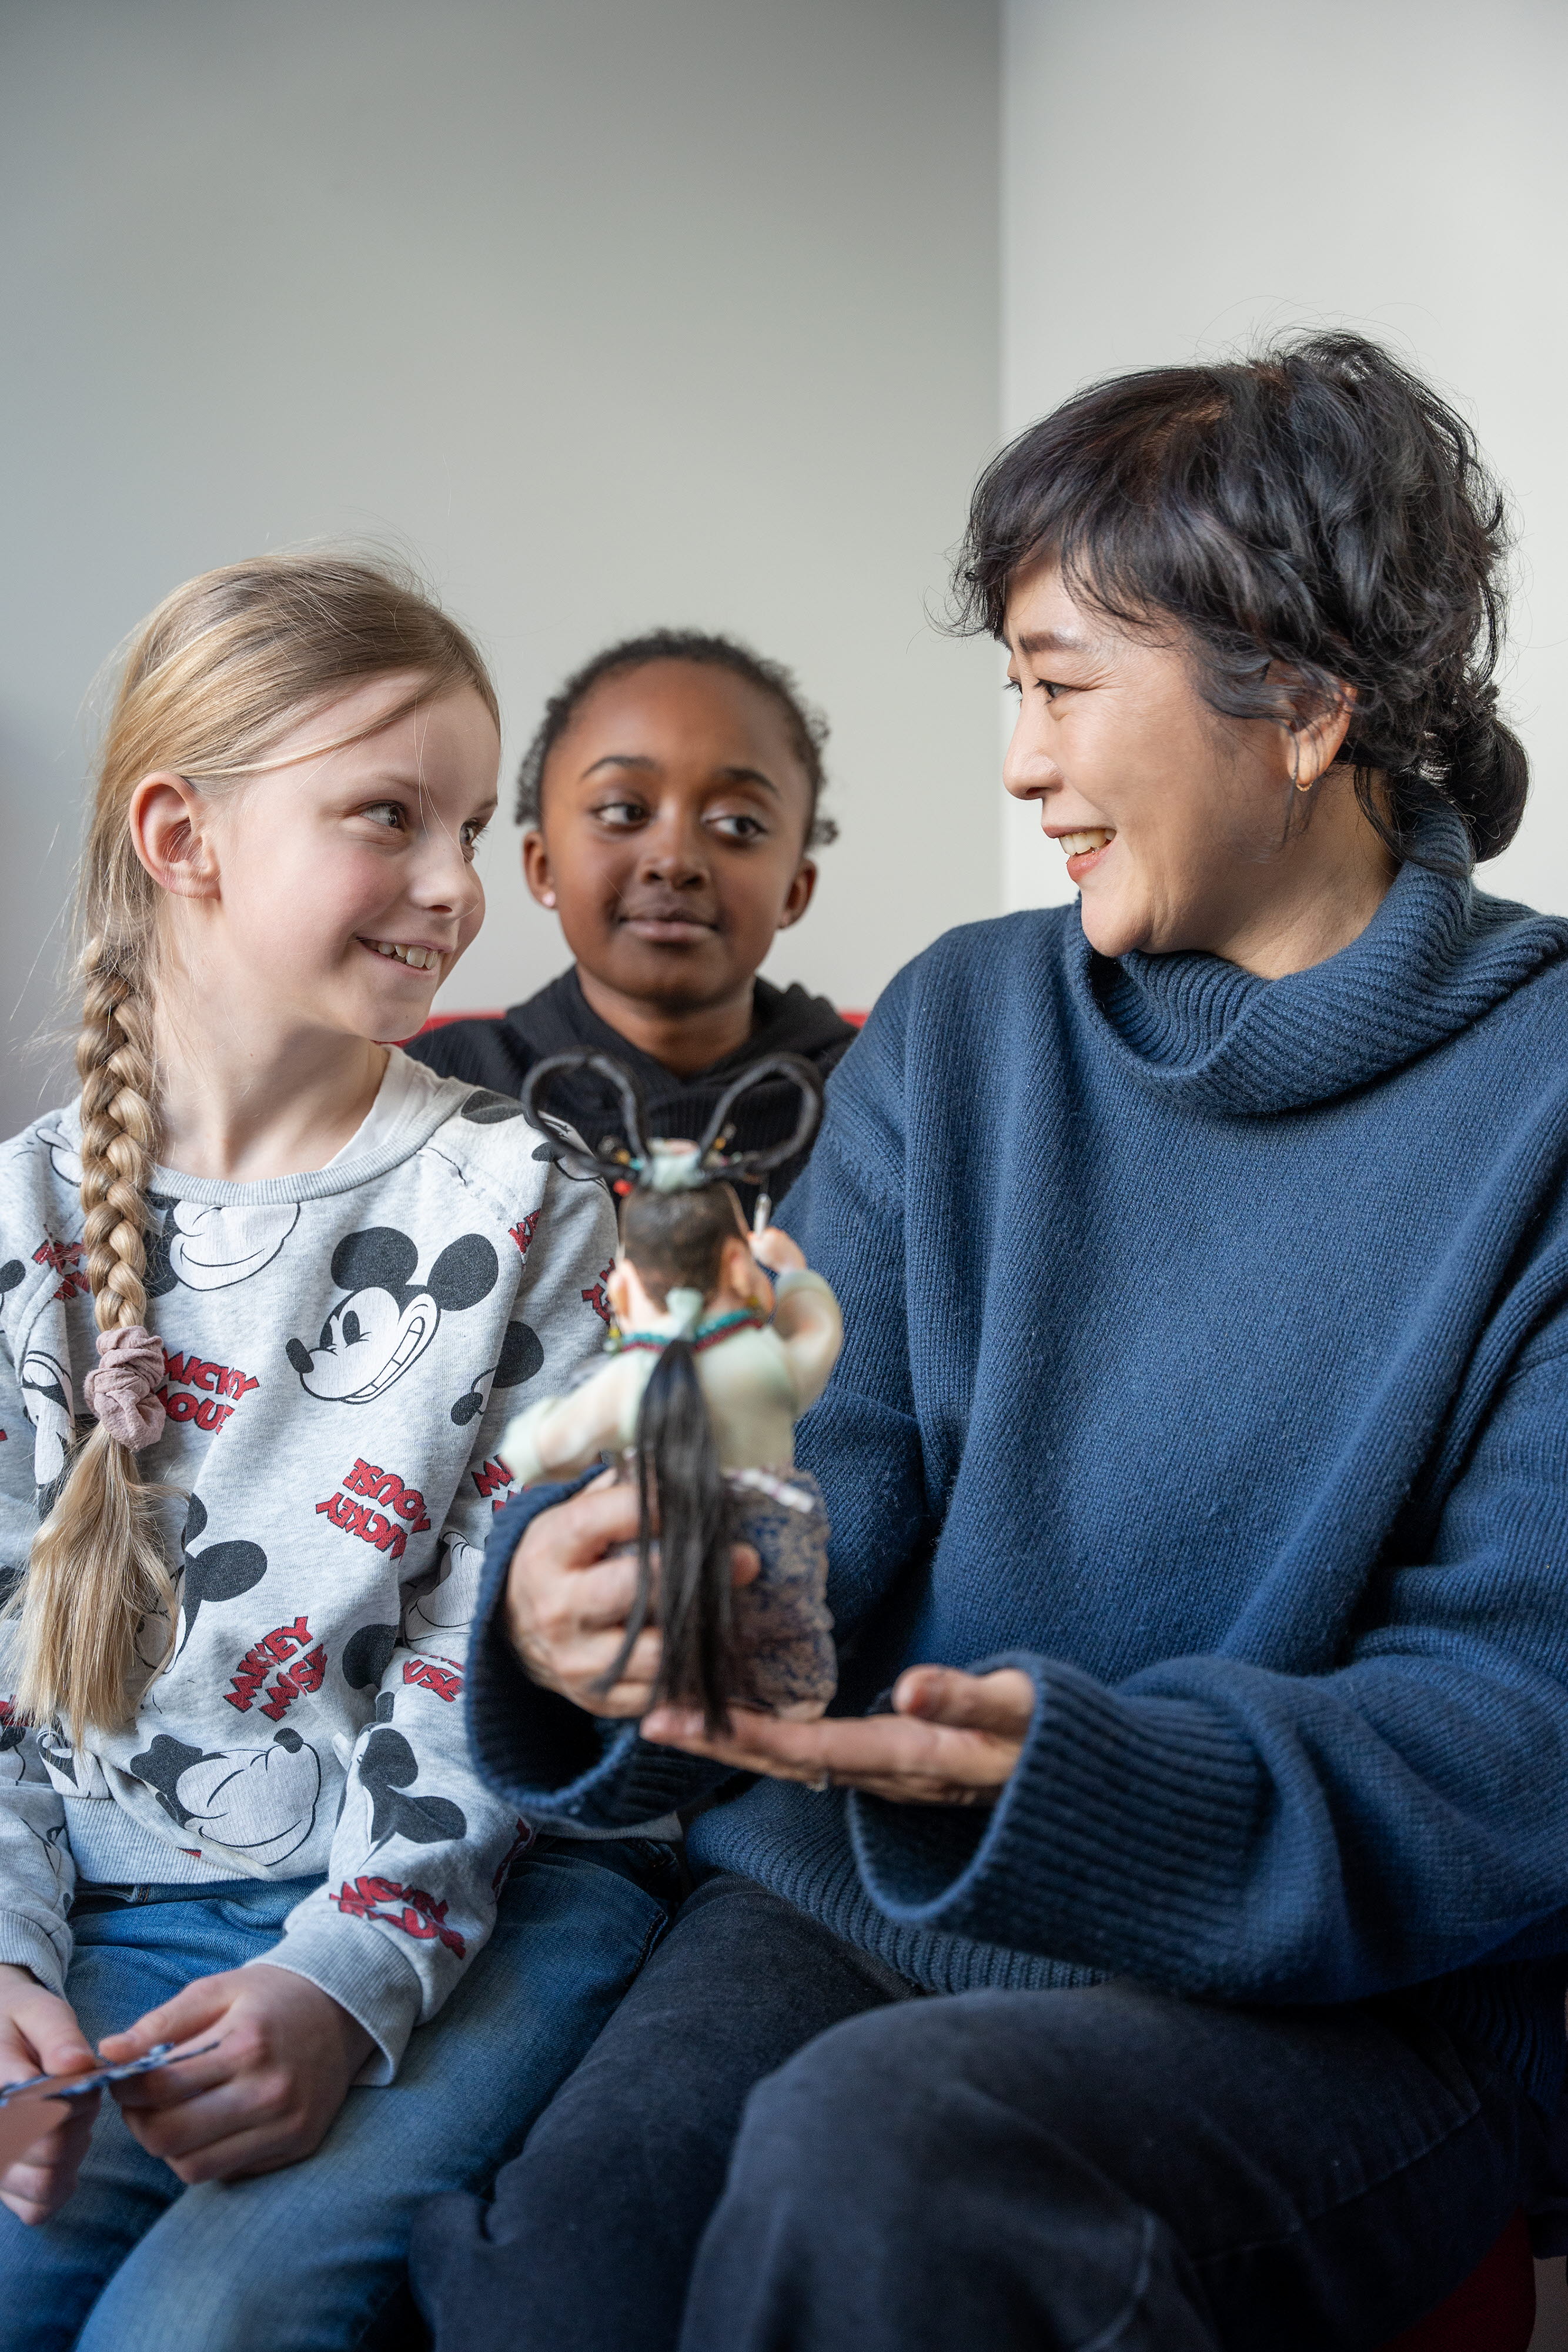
x: 1312, y: 518
x: 807, y: 727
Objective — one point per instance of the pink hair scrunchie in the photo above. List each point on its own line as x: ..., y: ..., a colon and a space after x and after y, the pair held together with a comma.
x: 121, y: 1389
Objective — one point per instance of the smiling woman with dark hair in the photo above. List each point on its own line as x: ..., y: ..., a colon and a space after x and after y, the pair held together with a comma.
x: 1197, y: 1464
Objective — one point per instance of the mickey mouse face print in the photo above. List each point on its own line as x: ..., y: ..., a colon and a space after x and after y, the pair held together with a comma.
x: 221, y: 1572
x: 260, y: 1801
x: 388, y: 1320
x: 210, y: 1246
x: 46, y: 1388
x: 64, y: 1157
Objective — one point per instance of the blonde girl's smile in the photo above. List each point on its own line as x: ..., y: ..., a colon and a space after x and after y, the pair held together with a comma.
x: 418, y: 959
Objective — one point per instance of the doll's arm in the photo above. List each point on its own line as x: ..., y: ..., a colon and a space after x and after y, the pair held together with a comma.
x: 807, y: 1319
x: 561, y: 1435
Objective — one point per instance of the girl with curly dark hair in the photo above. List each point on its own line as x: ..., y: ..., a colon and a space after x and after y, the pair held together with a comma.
x: 670, y: 801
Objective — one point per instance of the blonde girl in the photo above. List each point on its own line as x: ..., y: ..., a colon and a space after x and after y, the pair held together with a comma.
x: 266, y: 1294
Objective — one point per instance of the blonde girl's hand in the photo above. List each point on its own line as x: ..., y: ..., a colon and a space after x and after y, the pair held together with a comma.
x: 39, y: 2036
x: 265, y: 2097
x: 953, y: 1739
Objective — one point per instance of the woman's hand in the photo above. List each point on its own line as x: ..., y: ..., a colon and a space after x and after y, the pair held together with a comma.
x: 567, y: 1605
x: 39, y: 2036
x: 265, y: 2097
x: 774, y: 1249
x: 952, y: 1739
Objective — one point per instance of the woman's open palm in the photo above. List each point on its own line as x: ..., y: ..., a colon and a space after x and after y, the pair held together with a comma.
x: 952, y: 1739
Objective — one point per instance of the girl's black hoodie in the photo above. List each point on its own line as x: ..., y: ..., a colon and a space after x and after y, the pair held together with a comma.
x: 500, y: 1053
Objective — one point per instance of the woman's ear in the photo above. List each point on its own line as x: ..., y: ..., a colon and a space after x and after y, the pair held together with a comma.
x: 1316, y: 740
x: 170, y: 833
x: 537, y: 867
x: 798, y: 895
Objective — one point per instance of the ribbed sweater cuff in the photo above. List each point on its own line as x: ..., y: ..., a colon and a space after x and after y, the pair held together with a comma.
x: 545, y: 1756
x: 1120, y: 1842
x: 356, y: 1964
x: 24, y: 1944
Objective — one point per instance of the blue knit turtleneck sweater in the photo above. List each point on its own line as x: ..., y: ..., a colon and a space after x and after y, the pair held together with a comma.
x: 1207, y: 1356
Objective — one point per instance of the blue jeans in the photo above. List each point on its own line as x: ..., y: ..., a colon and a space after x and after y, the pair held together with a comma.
x: 311, y: 2259
x: 771, y: 2147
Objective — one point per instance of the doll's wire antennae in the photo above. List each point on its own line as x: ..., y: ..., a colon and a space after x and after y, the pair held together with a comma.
x: 721, y: 1126
x: 614, y: 1166
x: 666, y: 1167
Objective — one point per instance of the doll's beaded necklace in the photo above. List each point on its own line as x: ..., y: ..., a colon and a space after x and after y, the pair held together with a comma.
x: 706, y: 1335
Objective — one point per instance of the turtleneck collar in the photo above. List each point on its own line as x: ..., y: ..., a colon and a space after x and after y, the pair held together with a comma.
x: 1437, y: 956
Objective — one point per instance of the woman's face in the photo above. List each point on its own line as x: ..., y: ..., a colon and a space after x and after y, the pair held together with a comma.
x: 1180, y: 826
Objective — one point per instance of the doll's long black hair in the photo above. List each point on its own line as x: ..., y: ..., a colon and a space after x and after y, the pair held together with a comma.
x: 678, y: 1211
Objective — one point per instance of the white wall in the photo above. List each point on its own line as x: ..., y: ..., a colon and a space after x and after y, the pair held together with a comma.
x: 612, y: 313
x: 1179, y: 180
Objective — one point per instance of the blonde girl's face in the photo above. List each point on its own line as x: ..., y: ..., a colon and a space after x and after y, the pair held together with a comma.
x: 340, y: 888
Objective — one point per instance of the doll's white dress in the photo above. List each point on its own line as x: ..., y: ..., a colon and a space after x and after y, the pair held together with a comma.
x: 756, y: 1379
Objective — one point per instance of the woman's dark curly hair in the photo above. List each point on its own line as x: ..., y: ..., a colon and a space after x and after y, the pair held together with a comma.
x: 807, y: 727
x: 1314, y: 518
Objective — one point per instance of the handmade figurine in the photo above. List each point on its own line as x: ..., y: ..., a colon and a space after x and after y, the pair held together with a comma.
x: 708, y: 1373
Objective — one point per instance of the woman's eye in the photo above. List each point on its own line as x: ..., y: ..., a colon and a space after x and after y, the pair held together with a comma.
x: 1050, y: 688
x: 473, y: 834
x: 390, y: 813
x: 739, y: 825
x: 621, y: 815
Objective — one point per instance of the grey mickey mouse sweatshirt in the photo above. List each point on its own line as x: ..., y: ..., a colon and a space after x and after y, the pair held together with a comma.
x: 343, y: 1349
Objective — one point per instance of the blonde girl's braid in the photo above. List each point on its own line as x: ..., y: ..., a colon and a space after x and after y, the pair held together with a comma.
x: 98, y: 1566
x: 118, y: 1139
x: 220, y: 672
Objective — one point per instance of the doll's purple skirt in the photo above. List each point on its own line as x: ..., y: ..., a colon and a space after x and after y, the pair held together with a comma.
x: 783, y: 1631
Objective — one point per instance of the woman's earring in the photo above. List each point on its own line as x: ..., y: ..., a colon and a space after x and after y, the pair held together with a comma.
x: 1295, y: 770
x: 550, y: 898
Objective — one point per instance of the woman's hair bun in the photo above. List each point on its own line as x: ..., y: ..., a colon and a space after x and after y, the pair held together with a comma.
x: 1486, y: 774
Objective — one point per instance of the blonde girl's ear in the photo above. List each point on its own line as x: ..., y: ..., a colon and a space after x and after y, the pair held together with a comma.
x: 169, y: 825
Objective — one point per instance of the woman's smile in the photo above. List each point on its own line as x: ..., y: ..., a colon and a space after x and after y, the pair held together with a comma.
x: 1083, y: 849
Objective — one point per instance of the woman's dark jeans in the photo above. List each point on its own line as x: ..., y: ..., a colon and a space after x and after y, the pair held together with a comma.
x: 772, y: 2134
